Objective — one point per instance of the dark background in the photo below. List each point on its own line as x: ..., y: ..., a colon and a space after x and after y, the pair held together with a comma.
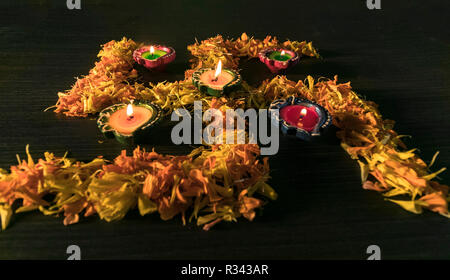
x: 397, y: 56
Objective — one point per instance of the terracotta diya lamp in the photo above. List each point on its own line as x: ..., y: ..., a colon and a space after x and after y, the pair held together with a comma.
x: 129, y: 123
x: 277, y: 59
x: 304, y: 118
x: 154, y: 57
x: 217, y: 81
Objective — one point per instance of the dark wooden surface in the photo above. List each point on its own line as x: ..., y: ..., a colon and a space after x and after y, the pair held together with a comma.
x: 397, y: 56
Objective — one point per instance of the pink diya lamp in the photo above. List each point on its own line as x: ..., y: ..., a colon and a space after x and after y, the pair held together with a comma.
x: 277, y: 59
x: 216, y: 81
x: 304, y: 118
x: 128, y: 123
x: 154, y: 57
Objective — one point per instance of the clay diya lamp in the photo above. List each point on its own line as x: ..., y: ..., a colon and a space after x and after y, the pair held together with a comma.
x: 304, y: 118
x: 278, y: 60
x: 154, y: 57
x: 216, y: 82
x: 129, y: 123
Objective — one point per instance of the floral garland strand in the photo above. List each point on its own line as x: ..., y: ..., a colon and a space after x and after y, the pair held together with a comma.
x: 209, y: 52
x: 222, y: 183
x: 386, y: 165
x: 106, y: 84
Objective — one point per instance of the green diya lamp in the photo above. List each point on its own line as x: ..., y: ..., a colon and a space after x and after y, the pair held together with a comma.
x: 129, y: 123
x: 216, y: 82
x: 278, y: 60
x: 154, y: 57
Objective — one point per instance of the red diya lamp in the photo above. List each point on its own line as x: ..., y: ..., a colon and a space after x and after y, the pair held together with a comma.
x: 154, y: 57
x: 277, y: 59
x: 304, y: 118
x: 128, y: 123
x: 216, y: 81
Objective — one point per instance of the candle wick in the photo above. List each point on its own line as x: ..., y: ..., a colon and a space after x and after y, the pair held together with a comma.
x: 215, y: 79
x: 130, y: 117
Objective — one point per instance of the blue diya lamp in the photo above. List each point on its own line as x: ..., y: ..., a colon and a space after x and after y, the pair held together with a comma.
x: 304, y: 118
x: 129, y: 123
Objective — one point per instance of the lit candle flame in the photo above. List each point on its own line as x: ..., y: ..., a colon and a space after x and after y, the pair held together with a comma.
x: 218, y: 69
x: 283, y: 53
x: 152, y: 50
x: 130, y: 111
x: 303, y: 113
